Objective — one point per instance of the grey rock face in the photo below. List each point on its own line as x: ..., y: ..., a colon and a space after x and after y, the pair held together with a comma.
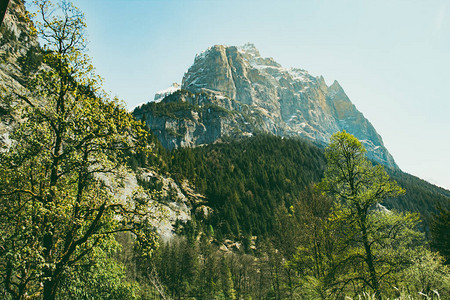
x: 184, y: 119
x: 256, y: 94
x: 16, y: 45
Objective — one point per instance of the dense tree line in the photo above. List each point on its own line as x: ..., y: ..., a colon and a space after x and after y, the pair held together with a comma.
x: 245, y: 181
x: 314, y: 254
x: 179, y: 105
x: 420, y: 196
x: 333, y: 241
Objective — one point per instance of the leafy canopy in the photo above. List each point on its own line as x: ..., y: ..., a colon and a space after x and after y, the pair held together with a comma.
x: 368, y: 232
x: 66, y: 162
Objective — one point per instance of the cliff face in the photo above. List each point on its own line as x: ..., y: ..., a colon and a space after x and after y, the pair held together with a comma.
x: 293, y: 100
x: 16, y: 44
x: 18, y: 59
x: 233, y: 91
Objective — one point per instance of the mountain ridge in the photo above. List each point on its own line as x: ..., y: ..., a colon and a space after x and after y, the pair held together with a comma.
x: 261, y: 96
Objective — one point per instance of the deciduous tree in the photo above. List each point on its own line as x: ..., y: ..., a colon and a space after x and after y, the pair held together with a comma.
x: 58, y: 177
x: 359, y: 187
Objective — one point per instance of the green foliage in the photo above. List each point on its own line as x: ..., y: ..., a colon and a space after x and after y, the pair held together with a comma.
x: 98, y: 276
x: 312, y: 255
x: 427, y: 275
x: 58, y: 214
x: 373, y: 243
x: 181, y: 101
x: 198, y: 270
x: 245, y: 181
x: 393, y: 243
x: 158, y: 158
x: 421, y: 197
x: 309, y: 252
x: 177, y: 110
x: 57, y: 180
x: 440, y: 228
x: 314, y: 249
x: 352, y: 178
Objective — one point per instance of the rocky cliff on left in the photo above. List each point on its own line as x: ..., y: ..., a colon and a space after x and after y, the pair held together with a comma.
x: 19, y: 47
x: 19, y: 55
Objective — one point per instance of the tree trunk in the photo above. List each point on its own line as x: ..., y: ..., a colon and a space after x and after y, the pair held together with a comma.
x: 369, y: 261
x: 48, y: 274
x: 50, y: 289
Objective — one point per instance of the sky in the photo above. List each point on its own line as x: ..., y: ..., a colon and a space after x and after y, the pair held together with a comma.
x: 391, y: 57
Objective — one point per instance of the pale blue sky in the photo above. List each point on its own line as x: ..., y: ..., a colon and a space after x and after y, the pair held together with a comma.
x: 391, y: 57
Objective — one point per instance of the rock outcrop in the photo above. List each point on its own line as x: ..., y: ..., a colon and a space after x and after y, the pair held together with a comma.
x: 18, y: 58
x: 233, y: 92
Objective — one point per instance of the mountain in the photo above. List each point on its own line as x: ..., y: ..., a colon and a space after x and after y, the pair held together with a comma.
x: 234, y: 92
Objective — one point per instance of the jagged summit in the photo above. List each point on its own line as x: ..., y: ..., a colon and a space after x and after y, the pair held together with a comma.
x: 335, y: 86
x: 259, y: 95
x: 249, y: 48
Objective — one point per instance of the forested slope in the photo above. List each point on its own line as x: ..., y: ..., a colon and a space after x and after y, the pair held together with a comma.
x: 245, y: 180
x: 271, y: 236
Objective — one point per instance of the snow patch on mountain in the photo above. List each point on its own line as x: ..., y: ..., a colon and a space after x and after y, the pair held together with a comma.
x: 164, y: 93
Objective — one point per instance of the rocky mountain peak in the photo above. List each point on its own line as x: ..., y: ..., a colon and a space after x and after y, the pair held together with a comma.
x: 336, y: 87
x: 259, y: 95
x: 336, y: 92
x: 250, y: 49
x: 19, y: 57
x: 163, y: 93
